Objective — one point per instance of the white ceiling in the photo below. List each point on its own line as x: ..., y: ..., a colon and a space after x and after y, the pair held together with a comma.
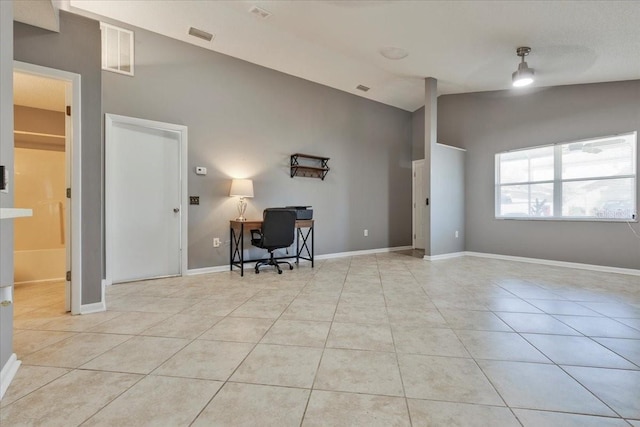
x: 469, y: 46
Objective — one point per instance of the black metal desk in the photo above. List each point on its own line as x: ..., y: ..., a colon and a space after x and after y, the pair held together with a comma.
x: 237, y: 229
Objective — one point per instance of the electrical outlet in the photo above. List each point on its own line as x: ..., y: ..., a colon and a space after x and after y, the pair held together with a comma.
x: 366, y: 233
x: 456, y: 234
x: 194, y: 200
x: 216, y: 242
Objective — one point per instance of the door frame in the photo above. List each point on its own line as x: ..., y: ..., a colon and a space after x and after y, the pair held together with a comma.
x: 414, y: 202
x: 112, y: 120
x: 73, y: 166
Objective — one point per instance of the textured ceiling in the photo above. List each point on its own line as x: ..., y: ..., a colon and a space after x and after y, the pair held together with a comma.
x: 469, y: 46
x: 38, y: 92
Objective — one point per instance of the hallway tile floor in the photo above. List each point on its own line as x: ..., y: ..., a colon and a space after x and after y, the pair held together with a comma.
x: 378, y: 340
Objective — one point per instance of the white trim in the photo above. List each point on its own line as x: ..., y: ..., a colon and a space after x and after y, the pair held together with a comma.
x: 363, y: 252
x: 76, y: 170
x: 9, y: 213
x: 96, y: 307
x: 580, y: 266
x: 110, y: 120
x: 8, y: 372
x: 450, y: 146
x: 207, y: 270
x: 444, y: 256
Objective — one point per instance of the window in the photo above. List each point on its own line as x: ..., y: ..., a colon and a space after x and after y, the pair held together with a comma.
x: 117, y: 49
x: 593, y: 179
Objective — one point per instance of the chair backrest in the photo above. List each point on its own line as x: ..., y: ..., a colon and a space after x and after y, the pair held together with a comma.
x: 278, y: 227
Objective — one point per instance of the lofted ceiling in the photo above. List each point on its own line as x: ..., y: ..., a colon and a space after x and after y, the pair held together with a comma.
x: 469, y: 46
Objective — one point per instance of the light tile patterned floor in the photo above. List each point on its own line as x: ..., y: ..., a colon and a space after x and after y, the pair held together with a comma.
x: 380, y: 340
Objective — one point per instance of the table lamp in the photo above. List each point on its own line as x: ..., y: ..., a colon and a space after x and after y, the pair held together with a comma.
x: 242, y: 188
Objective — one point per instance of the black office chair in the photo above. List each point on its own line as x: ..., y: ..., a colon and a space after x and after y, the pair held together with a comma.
x: 278, y: 231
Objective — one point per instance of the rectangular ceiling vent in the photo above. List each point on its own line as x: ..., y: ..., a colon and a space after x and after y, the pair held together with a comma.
x: 362, y: 88
x: 200, y: 34
x: 260, y: 12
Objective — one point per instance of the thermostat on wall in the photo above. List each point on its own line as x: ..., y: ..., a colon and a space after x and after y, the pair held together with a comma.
x: 201, y: 170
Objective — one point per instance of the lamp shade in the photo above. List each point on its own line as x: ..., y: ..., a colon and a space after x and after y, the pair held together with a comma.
x: 241, y: 187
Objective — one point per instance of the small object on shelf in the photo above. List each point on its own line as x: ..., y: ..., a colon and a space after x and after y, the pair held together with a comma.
x: 316, y: 166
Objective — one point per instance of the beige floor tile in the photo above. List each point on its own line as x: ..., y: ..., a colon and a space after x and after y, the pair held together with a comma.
x: 578, y: 351
x: 356, y: 313
x: 304, y: 310
x: 279, y: 365
x: 420, y: 317
x: 211, y: 360
x: 538, y: 386
x: 432, y: 413
x: 26, y: 342
x: 536, y: 324
x: 28, y: 379
x: 239, y: 329
x: 150, y: 304
x: 627, y: 348
x: 217, y: 307
x: 530, y: 418
x: 157, y: 400
x: 514, y: 305
x: 138, y: 355
x: 359, y: 372
x: 372, y: 300
x: 131, y: 323
x: 187, y: 326
x: 500, y: 346
x: 75, y: 351
x: 69, y: 400
x: 600, y: 327
x: 443, y: 378
x: 360, y: 336
x: 614, y: 309
x: 238, y: 405
x: 305, y: 333
x: 474, y: 320
x: 431, y: 341
x: 327, y: 408
x: 562, y: 307
x: 260, y: 309
x: 79, y: 323
x: 608, y: 384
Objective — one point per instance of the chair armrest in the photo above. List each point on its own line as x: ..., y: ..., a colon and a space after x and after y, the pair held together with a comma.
x: 256, y: 234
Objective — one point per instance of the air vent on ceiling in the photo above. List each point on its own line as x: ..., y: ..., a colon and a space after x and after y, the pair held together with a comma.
x: 362, y: 88
x: 200, y: 34
x: 260, y: 12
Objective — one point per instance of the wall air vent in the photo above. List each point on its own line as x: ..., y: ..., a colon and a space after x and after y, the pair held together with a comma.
x: 117, y: 49
x: 362, y: 88
x: 200, y: 34
x: 260, y: 12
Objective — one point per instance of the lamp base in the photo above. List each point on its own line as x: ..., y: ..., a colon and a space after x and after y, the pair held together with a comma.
x: 242, y: 207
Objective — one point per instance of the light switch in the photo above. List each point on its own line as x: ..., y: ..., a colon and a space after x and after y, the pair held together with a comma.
x: 201, y: 170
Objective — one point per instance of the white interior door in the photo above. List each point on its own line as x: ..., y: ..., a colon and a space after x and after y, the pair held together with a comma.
x: 144, y: 201
x: 418, y: 204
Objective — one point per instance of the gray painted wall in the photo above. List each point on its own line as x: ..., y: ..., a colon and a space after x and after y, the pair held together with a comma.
x: 447, y: 200
x: 490, y: 122
x: 76, y: 48
x: 245, y: 121
x: 6, y: 159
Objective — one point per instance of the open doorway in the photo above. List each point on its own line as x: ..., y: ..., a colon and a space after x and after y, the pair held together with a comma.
x: 46, y: 177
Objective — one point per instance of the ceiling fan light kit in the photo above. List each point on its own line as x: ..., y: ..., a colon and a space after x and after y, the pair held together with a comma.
x: 524, y: 75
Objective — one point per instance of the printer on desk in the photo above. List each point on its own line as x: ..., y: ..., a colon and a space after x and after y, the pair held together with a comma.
x: 302, y: 212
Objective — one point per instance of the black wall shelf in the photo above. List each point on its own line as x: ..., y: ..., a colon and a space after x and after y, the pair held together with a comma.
x: 314, y: 166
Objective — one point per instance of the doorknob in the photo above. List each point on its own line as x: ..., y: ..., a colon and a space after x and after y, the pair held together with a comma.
x: 176, y: 210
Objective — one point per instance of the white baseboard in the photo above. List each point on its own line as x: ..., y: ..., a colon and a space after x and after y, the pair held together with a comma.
x: 363, y: 252
x: 444, y: 256
x: 28, y: 282
x: 591, y: 267
x: 207, y: 270
x: 96, y: 307
x: 8, y: 372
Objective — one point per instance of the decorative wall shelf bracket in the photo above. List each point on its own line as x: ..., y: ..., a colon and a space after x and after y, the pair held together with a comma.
x: 314, y: 166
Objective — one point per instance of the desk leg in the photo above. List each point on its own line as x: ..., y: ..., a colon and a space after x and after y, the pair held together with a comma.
x: 298, y: 233
x: 241, y: 250
x: 231, y: 240
x: 313, y: 242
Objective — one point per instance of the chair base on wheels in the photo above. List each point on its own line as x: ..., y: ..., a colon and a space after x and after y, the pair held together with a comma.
x: 274, y: 262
